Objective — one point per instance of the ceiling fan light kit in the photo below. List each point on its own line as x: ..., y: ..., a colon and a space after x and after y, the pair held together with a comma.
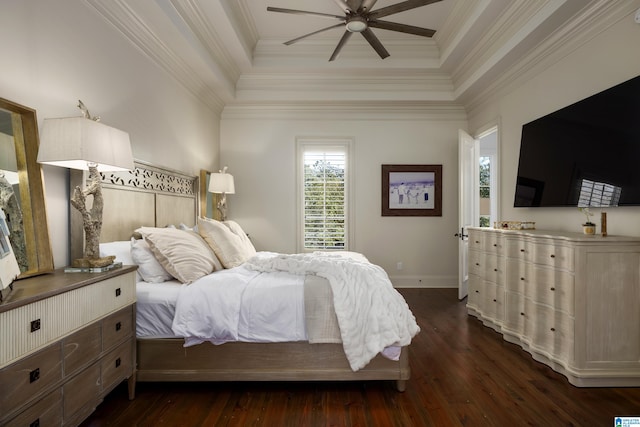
x: 360, y: 18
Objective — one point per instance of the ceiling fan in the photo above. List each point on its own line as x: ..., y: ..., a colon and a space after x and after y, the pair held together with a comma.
x: 359, y: 18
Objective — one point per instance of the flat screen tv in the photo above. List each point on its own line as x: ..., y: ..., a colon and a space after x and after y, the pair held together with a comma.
x: 586, y: 154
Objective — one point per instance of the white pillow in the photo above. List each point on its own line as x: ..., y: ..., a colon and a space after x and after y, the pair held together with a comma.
x: 149, y: 267
x: 121, y: 249
x: 244, y: 238
x: 184, y: 254
x: 230, y: 248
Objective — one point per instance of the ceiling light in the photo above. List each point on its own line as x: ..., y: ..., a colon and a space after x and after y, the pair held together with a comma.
x: 357, y: 24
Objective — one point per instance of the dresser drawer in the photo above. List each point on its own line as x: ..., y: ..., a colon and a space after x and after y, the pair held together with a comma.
x: 549, y: 331
x: 81, y: 348
x: 117, y: 327
x: 551, y: 254
x: 25, y: 379
x: 554, y: 288
x: 117, y: 365
x: 46, y: 412
x: 33, y: 326
x: 81, y: 392
x: 486, y: 241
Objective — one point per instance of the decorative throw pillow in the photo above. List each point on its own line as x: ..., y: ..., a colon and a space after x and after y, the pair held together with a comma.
x: 184, y: 254
x: 148, y: 266
x: 244, y: 238
x: 230, y: 248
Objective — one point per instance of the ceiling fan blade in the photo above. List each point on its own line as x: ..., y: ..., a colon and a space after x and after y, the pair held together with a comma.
x: 402, y: 28
x: 375, y: 43
x: 290, y: 42
x: 367, y: 5
x: 341, y: 43
x: 342, y: 4
x: 304, y: 12
x: 354, y: 5
x: 400, y: 7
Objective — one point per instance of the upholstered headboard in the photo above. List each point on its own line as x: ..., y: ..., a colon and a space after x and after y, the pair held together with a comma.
x: 149, y: 196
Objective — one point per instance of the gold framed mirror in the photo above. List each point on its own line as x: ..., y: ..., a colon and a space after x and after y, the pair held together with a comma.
x: 18, y: 164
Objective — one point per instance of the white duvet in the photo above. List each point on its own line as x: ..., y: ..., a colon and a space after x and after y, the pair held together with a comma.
x: 240, y: 304
x: 371, y: 314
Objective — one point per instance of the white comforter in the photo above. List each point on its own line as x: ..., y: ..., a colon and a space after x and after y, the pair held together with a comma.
x: 240, y: 304
x: 371, y: 314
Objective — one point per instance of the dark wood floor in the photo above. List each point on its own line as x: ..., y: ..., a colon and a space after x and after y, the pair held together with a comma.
x: 463, y: 374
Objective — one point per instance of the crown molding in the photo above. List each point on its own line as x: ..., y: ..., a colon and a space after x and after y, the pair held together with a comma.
x: 322, y: 111
x: 133, y: 27
x: 596, y: 18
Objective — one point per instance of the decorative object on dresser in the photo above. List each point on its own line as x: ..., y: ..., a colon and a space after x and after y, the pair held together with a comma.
x: 588, y: 227
x: 84, y: 143
x: 75, y: 345
x: 568, y: 299
x: 19, y: 150
x: 222, y: 183
x: 9, y: 269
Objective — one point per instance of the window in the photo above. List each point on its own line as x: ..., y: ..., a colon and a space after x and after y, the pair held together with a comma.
x: 323, y: 181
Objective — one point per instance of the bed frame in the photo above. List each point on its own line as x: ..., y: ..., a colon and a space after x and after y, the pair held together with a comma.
x: 154, y: 196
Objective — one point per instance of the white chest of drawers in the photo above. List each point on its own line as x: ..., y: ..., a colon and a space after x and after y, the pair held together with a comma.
x: 66, y: 340
x: 570, y: 300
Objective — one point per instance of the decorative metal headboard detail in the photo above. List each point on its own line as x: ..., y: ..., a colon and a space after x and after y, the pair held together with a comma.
x: 152, y: 178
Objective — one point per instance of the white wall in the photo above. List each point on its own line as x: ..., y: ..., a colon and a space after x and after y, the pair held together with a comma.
x: 260, y: 153
x: 56, y: 52
x: 606, y: 60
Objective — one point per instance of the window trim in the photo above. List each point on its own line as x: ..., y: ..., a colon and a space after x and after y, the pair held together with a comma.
x: 302, y: 143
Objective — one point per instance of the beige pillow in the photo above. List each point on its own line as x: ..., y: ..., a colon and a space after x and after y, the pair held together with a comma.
x: 230, y: 248
x: 244, y: 238
x: 184, y: 254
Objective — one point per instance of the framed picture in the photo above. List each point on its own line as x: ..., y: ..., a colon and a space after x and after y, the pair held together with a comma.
x: 411, y: 190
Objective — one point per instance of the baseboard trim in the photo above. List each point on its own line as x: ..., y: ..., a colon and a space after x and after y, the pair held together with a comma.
x: 424, y: 281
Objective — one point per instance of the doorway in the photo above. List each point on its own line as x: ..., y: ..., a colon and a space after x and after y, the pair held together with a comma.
x: 488, y: 177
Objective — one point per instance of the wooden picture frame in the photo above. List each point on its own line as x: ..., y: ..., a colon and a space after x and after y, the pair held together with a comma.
x: 411, y: 190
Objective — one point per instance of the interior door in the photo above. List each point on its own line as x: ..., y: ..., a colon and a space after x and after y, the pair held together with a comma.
x: 468, y: 203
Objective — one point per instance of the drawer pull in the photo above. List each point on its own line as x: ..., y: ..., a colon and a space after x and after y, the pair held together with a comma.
x: 521, y: 250
x: 118, y: 362
x: 477, y: 241
x: 118, y: 326
x: 553, y: 329
x: 34, y: 375
x: 552, y: 256
x: 495, y: 300
x: 36, y: 423
x: 553, y: 289
x: 118, y: 292
x: 477, y: 263
x: 522, y: 278
x: 495, y: 269
x: 495, y: 245
x: 477, y: 291
x: 35, y: 325
x: 521, y: 313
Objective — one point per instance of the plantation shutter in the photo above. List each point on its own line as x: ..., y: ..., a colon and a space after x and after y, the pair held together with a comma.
x: 324, y: 197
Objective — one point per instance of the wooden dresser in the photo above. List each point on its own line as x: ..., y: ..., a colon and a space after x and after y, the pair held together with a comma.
x: 66, y: 340
x: 571, y: 300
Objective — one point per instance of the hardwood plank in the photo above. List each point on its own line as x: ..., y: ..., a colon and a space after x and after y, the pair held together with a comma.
x: 463, y: 374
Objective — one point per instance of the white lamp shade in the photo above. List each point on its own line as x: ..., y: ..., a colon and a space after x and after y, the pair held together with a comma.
x: 221, y: 183
x: 74, y: 142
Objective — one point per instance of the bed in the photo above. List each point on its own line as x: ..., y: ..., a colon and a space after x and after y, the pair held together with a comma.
x: 150, y: 198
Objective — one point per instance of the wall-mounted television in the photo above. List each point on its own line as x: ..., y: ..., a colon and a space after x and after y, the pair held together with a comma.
x: 586, y: 154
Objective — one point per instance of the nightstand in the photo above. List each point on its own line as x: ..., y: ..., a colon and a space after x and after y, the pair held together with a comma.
x: 66, y: 340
